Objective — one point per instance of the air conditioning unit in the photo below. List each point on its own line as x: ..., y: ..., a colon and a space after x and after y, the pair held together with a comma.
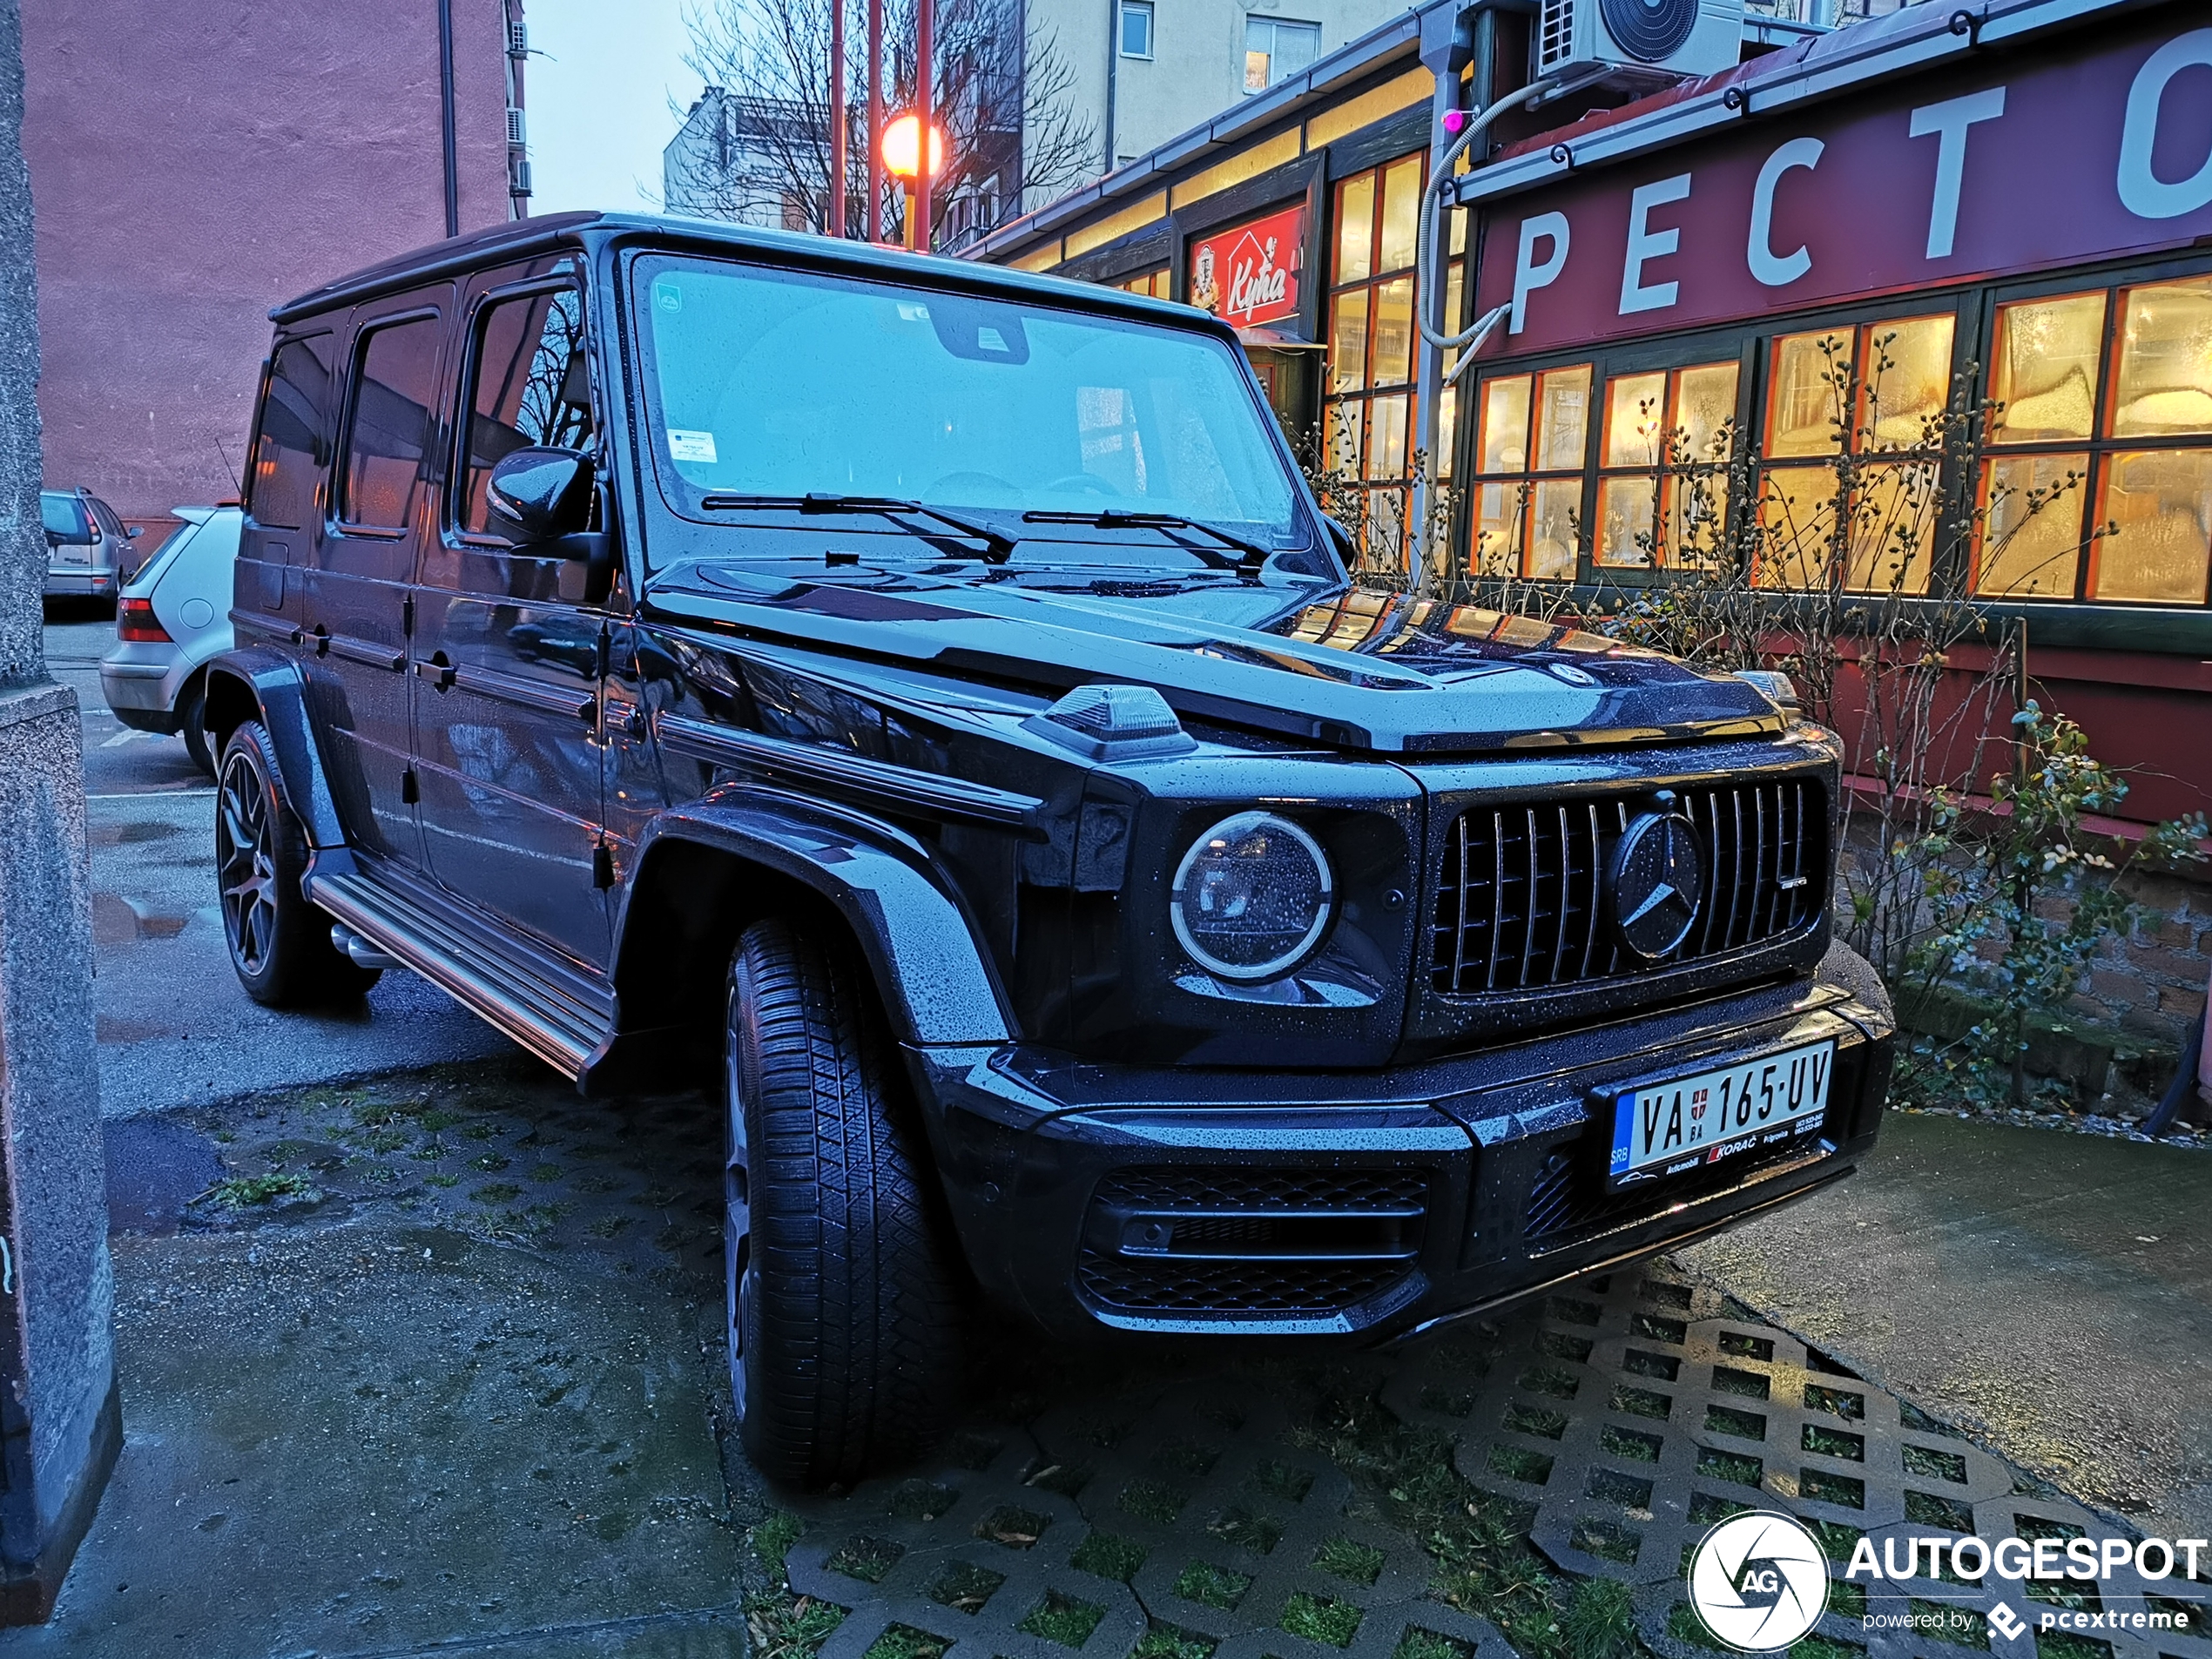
x: 1647, y: 41
x: 519, y: 181
x: 515, y: 133
x: 518, y: 40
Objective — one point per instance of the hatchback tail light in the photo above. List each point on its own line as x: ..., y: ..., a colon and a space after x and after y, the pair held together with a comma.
x: 135, y: 624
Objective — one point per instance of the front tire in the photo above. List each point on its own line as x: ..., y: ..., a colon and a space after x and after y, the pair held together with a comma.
x: 843, y: 1308
x: 280, y: 943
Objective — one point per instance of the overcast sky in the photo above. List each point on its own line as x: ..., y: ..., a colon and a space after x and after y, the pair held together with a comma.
x: 600, y: 77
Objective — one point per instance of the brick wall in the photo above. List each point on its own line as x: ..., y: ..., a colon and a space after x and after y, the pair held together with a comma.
x: 2152, y: 981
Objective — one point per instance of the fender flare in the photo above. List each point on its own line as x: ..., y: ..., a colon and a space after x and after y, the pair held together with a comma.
x: 278, y: 692
x: 938, y: 987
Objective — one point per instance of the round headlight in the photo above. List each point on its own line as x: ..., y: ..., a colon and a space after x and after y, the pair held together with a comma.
x: 1252, y: 896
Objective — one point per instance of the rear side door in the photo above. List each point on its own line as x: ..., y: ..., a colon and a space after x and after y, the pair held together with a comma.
x: 354, y: 590
x: 507, y: 657
x: 288, y: 479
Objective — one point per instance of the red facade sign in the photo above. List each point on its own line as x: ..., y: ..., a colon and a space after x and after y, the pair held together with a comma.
x: 1250, y: 274
x: 2007, y: 165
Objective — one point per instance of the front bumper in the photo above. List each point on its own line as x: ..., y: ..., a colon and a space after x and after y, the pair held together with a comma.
x: 1368, y: 1205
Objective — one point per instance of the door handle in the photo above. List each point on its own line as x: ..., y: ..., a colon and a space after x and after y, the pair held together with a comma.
x: 439, y: 671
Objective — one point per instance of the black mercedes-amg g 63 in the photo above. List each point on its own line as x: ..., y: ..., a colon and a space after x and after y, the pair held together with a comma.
x: 926, y: 700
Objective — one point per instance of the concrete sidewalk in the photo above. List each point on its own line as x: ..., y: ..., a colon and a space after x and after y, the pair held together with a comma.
x: 2050, y: 1293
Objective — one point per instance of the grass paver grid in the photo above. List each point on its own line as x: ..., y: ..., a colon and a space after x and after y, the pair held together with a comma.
x: 1123, y: 1515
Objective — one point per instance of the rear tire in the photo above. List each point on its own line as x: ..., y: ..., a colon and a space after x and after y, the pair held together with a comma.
x: 280, y: 943
x: 192, y: 714
x: 843, y: 1309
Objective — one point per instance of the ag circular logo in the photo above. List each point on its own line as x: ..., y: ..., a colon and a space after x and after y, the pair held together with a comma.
x: 1759, y: 1581
x: 1657, y: 884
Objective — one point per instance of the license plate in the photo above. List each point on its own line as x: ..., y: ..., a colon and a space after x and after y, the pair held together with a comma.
x: 1663, y: 1128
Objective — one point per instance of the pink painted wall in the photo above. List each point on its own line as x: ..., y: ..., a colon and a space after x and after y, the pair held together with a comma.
x: 191, y: 166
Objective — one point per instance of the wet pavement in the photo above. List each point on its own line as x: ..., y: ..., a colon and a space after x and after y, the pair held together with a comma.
x: 174, y: 1029
x: 433, y: 1364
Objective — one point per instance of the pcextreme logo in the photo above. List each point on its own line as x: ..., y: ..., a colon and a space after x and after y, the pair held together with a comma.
x: 1759, y: 1581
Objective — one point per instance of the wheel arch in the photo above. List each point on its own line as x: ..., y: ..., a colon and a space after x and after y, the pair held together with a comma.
x: 258, y: 684
x: 705, y: 872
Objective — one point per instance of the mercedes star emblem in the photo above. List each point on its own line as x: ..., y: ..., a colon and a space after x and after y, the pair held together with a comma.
x: 1657, y: 884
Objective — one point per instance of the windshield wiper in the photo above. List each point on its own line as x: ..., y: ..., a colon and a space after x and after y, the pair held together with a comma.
x: 1251, y: 554
x: 998, y: 546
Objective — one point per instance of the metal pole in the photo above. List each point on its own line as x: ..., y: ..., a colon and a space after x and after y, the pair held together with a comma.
x: 875, y: 120
x: 837, y: 134
x: 445, y: 117
x: 925, y: 58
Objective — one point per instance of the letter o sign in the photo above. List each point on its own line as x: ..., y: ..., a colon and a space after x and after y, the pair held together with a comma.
x: 2142, y: 192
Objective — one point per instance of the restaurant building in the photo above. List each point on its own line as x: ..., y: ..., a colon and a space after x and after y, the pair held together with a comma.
x: 1943, y: 207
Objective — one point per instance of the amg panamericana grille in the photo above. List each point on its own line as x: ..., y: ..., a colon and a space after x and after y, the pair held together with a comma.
x: 1520, y: 898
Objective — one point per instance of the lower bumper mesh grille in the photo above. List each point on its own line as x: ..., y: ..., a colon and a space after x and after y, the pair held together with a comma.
x: 1253, y: 1242
x: 1171, y: 1286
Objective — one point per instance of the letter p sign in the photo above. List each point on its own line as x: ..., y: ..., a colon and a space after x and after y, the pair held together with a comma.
x: 1528, y: 274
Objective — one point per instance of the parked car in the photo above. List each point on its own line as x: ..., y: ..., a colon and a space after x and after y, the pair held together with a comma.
x: 85, y: 543
x: 924, y: 701
x: 171, y: 620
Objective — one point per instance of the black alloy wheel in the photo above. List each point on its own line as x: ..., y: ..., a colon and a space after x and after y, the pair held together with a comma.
x: 843, y: 1301
x: 280, y: 943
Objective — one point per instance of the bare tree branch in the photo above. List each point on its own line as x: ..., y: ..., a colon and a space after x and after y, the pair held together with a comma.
x: 1004, y: 98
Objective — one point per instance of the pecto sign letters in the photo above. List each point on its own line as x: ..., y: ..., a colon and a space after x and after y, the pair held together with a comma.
x: 2015, y: 164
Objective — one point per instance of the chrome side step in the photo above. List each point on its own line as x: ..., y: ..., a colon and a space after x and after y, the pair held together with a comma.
x: 560, y: 1026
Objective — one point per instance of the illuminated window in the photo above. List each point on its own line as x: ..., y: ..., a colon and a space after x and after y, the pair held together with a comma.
x: 1370, y: 424
x: 1876, y: 391
x: 1663, y: 482
x: 1154, y: 283
x: 2097, y: 483
x: 1275, y: 50
x: 1532, y: 437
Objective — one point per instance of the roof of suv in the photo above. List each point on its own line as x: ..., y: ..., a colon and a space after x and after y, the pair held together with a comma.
x: 479, y: 248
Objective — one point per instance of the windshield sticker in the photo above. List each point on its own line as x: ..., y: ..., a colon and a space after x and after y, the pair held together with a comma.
x: 690, y: 446
x: 667, y: 296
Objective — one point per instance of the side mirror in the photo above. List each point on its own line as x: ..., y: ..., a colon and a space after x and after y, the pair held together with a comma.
x: 1341, y: 538
x: 540, y: 494
x: 132, y: 532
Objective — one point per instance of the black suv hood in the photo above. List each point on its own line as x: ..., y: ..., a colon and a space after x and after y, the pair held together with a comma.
x: 1367, y: 670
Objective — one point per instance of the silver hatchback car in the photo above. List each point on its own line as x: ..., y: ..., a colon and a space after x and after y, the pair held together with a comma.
x: 85, y: 543
x: 170, y: 619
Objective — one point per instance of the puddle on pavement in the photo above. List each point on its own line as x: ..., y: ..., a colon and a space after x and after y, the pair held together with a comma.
x: 117, y: 919
x: 138, y: 831
x: 111, y: 1029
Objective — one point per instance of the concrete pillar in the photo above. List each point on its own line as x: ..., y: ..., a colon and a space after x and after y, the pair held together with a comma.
x: 60, y: 1422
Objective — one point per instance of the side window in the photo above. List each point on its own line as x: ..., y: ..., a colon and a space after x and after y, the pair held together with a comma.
x: 289, y: 451
x: 530, y: 386
x: 396, y: 382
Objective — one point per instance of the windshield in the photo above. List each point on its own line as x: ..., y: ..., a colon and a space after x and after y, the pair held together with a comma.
x: 784, y: 384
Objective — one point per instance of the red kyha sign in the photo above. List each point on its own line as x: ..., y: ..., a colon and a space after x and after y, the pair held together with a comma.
x: 2102, y: 147
x: 1250, y: 274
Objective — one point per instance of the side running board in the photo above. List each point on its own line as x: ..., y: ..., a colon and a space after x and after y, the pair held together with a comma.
x: 563, y: 1026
